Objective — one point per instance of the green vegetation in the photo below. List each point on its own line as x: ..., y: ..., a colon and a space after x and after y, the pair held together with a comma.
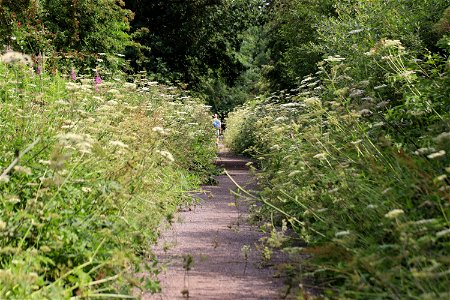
x: 355, y: 157
x: 345, y: 105
x: 89, y: 172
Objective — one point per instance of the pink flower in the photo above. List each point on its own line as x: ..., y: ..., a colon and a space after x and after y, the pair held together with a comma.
x: 73, y: 75
x: 97, y: 81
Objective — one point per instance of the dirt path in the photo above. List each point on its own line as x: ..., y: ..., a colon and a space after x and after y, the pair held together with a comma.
x: 213, y: 234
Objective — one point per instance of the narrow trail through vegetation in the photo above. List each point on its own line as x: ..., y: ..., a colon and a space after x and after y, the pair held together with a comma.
x: 216, y: 235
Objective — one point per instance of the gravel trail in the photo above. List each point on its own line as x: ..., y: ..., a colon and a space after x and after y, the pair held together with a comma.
x: 213, y: 233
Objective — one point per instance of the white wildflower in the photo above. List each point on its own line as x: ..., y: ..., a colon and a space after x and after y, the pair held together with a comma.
x: 290, y: 104
x: 379, y: 87
x: 84, y: 147
x: 364, y: 83
x: 12, y: 57
x: 356, y: 142
x: 82, y: 142
x: 422, y: 151
x: 159, y: 130
x: 70, y: 137
x: 436, y: 154
x: 407, y: 74
x: 129, y: 85
x: 23, y: 170
x: 368, y: 99
x: 112, y: 102
x: 312, y: 101
x: 440, y: 178
x: 313, y: 83
x: 365, y: 112
x: 293, y: 173
x: 69, y: 126
x: 4, y: 179
x: 333, y: 190
x: 114, y: 91
x: 336, y: 58
x: 86, y: 189
x: 61, y: 102
x: 443, y: 233
x: 370, y: 52
x: 342, y: 233
x: 391, y: 43
x: 167, y: 155
x: 355, y: 31
x: 118, y: 144
x: 356, y: 93
x: 425, y: 221
x: 71, y: 86
x: 320, y: 156
x: 378, y: 124
x: 382, y: 104
x: 279, y: 119
x: 442, y: 138
x: 306, y: 79
x: 394, y: 213
x: 2, y: 225
x: 387, y: 57
x: 386, y: 191
x: 372, y: 206
x: 275, y: 147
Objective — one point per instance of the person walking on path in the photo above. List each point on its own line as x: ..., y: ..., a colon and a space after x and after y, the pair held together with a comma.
x: 217, y: 126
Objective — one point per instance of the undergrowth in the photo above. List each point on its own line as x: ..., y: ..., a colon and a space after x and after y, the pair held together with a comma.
x: 359, y: 168
x: 89, y: 170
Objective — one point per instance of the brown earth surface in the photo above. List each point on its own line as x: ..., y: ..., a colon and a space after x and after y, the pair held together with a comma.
x: 213, y: 233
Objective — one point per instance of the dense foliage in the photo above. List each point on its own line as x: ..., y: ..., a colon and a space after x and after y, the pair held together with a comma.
x: 351, y: 131
x: 355, y: 156
x: 66, y: 33
x: 187, y: 42
x: 90, y: 168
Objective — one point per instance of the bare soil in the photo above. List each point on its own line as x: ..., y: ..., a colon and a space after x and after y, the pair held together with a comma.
x: 213, y: 233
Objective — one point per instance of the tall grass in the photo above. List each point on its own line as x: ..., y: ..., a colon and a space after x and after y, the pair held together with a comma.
x: 362, y: 179
x: 87, y: 177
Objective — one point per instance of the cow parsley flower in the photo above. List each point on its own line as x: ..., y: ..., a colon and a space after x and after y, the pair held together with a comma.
x: 167, y: 155
x: 118, y: 144
x: 443, y: 233
x: 320, y: 156
x: 23, y: 170
x: 436, y: 154
x: 342, y: 233
x: 443, y: 137
x: 395, y: 213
